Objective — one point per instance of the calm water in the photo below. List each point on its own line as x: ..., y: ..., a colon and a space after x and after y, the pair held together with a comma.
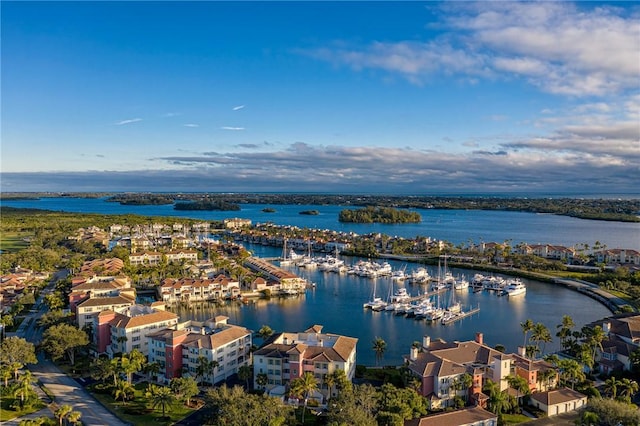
x: 456, y: 226
x: 337, y: 300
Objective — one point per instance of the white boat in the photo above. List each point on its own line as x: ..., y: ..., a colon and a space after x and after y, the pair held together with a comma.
x: 461, y: 284
x: 288, y: 257
x: 398, y: 275
x: 419, y: 276
x: 515, y: 287
x: 401, y: 295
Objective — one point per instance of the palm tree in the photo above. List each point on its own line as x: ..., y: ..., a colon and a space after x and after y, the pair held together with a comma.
x: 540, y: 333
x: 245, y: 372
x: 564, y: 331
x: 526, y: 326
x: 520, y: 385
x: 206, y: 367
x: 611, y: 386
x: 62, y: 412
x: 629, y: 388
x: 304, y: 386
x: 465, y: 381
x: 24, y: 386
x: 161, y: 396
x: 330, y: 380
x: 379, y: 346
x: 74, y: 417
x: 151, y: 370
x: 571, y: 371
x: 123, y: 391
x: 131, y: 363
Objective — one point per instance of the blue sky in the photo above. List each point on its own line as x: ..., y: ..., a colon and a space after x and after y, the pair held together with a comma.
x: 409, y: 97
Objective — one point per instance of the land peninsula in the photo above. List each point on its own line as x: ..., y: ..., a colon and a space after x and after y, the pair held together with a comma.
x: 622, y: 210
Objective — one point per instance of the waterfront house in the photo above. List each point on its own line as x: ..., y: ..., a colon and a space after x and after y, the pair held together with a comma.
x: 235, y: 223
x: 438, y: 365
x: 174, y: 290
x: 622, y: 339
x: 178, y: 350
x: 283, y: 279
x: 123, y: 329
x: 618, y: 257
x: 182, y: 255
x: 472, y: 416
x: 558, y: 401
x: 287, y: 356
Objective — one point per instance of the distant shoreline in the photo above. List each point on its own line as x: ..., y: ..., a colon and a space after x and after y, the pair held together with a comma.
x: 613, y: 209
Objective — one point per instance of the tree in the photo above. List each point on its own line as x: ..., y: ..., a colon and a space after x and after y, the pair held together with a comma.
x: 162, y: 397
x: 628, y: 389
x: 205, y: 368
x: 235, y: 407
x: 15, y: 353
x: 132, y: 363
x: 565, y: 329
x: 185, y: 387
x: 612, y: 412
x: 151, y: 370
x: 540, y: 333
x: 62, y: 339
x: 265, y: 332
x: 62, y: 412
x: 379, y: 347
x: 526, y: 326
x: 262, y: 379
x: 23, y: 389
x: 245, y: 372
x: 74, y: 417
x: 570, y: 371
x: 611, y: 386
x: 303, y: 387
x: 123, y: 390
x: 520, y: 385
x: 103, y: 368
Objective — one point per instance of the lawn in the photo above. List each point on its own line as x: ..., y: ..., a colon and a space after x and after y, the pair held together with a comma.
x: 139, y: 411
x: 8, y: 413
x: 514, y: 419
x: 13, y: 241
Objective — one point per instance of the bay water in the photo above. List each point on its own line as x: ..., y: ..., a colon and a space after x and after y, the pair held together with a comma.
x: 336, y: 302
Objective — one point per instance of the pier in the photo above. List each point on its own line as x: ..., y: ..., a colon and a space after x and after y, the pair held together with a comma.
x: 461, y: 315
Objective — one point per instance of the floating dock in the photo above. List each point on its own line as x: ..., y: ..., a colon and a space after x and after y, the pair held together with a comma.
x: 461, y: 315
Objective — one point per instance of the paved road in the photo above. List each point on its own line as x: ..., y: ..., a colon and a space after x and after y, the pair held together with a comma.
x: 64, y: 388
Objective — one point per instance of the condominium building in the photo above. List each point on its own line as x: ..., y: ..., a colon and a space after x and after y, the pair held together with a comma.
x: 289, y: 355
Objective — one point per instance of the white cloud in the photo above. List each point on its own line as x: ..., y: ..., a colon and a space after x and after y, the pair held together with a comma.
x: 191, y: 125
x: 129, y: 121
x: 557, y: 46
x: 239, y: 107
x: 231, y: 128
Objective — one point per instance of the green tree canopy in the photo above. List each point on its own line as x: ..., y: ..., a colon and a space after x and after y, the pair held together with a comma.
x: 15, y: 353
x: 62, y: 339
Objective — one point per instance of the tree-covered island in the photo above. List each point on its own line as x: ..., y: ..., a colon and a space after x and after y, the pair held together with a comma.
x: 207, y: 205
x: 623, y: 210
x: 310, y: 212
x: 372, y: 214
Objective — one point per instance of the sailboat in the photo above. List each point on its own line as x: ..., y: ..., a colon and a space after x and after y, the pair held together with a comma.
x: 286, y: 260
x: 376, y: 303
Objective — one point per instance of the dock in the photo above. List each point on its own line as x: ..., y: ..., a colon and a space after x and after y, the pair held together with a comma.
x: 461, y: 315
x: 426, y: 295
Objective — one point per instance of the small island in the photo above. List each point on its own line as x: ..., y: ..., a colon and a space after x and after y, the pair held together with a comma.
x: 207, y: 205
x: 141, y: 199
x: 268, y: 210
x: 372, y: 214
x: 310, y: 212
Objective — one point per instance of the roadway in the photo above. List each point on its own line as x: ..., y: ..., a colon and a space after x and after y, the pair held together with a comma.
x: 66, y: 391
